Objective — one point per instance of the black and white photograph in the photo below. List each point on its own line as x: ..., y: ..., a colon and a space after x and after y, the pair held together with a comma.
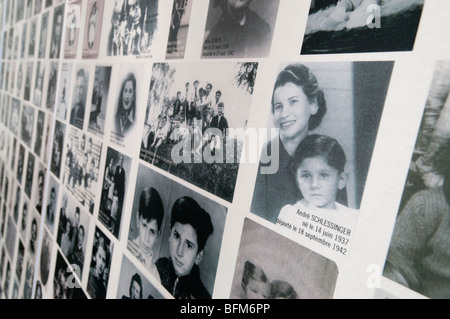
x: 115, y: 182
x: 42, y: 51
x: 37, y: 6
x: 24, y: 219
x: 178, y: 29
x: 268, y: 266
x: 82, y: 164
x: 79, y: 96
x: 133, y: 285
x: 20, y: 259
x: 50, y: 209
x: 57, y: 31
x: 100, y: 265
x: 57, y: 148
x: 45, y: 258
x: 16, y: 204
x: 39, y: 84
x: 28, y: 82
x: 52, y: 85
x: 73, y: 229
x: 99, y: 101
x: 132, y: 27
x: 128, y: 104
x: 361, y: 26
x: 191, y: 109
x: 324, y: 117
x: 14, y: 121
x: 29, y: 174
x: 27, y: 124
x: 239, y: 29
x: 11, y: 236
x: 93, y: 29
x: 176, y: 234
x: 20, y: 163
x: 65, y: 283
x: 32, y: 33
x: 40, y: 123
x: 38, y: 192
x: 46, y: 137
x: 65, y: 85
x: 73, y: 31
x: 418, y: 251
x: 20, y: 10
x: 20, y: 79
x: 27, y: 288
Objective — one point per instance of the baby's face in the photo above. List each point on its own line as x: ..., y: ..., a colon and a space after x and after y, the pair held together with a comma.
x: 319, y: 182
x: 257, y: 290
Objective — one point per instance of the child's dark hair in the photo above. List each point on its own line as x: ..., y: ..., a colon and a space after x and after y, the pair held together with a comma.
x: 301, y: 76
x: 320, y: 146
x: 251, y: 271
x: 150, y: 206
x: 187, y: 211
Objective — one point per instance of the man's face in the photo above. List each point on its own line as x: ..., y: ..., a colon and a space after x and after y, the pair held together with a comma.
x: 184, y: 248
x: 220, y: 110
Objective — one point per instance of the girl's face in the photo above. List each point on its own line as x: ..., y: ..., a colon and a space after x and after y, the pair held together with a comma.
x: 257, y: 289
x: 319, y: 182
x: 292, y: 111
x: 128, y: 95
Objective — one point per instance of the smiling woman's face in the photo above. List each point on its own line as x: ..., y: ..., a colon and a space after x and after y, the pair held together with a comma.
x: 292, y: 111
x: 128, y: 95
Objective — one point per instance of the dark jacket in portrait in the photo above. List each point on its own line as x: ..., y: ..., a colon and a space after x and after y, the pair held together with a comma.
x: 186, y: 287
x: 221, y: 123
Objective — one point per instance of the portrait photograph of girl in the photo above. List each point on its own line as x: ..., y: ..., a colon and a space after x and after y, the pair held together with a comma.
x: 326, y: 116
x: 127, y: 104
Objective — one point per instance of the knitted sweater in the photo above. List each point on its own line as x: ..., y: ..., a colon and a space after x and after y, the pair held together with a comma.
x: 419, y: 248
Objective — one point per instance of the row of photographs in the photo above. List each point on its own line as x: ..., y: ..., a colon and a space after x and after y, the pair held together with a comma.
x: 233, y: 29
x: 179, y: 131
x: 293, y: 206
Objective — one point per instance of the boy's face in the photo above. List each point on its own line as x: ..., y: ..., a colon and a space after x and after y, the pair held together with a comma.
x: 257, y: 289
x: 184, y: 248
x: 148, y: 233
x: 319, y: 182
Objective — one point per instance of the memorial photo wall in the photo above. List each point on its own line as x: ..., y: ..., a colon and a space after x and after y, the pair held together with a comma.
x: 222, y: 149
